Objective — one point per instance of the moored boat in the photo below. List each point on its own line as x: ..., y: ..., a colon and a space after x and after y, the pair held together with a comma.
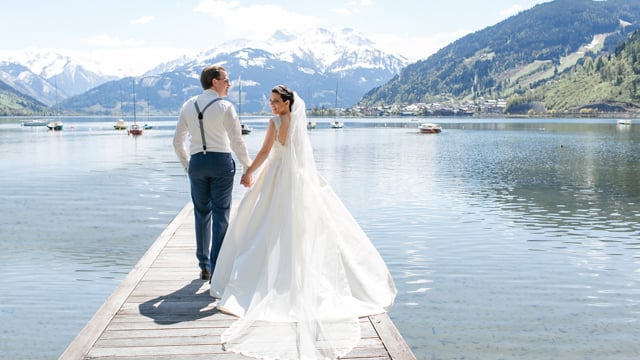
x: 35, y: 122
x: 246, y: 130
x: 623, y: 122
x: 55, y: 125
x: 134, y: 129
x: 120, y: 125
x: 337, y: 124
x: 430, y: 128
x: 311, y: 125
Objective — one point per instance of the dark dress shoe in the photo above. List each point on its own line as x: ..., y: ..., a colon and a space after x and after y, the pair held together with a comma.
x: 205, y: 275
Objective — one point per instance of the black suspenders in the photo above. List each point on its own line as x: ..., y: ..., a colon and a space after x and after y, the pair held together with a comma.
x: 204, y: 143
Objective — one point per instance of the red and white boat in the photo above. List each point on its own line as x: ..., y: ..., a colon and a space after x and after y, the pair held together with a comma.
x: 430, y: 128
x: 135, y: 129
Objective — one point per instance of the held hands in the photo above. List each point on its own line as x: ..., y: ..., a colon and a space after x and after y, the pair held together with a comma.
x: 246, y: 180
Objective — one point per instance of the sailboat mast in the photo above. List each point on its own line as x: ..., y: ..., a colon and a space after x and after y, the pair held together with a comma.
x: 336, y: 110
x: 148, y: 105
x: 55, y: 82
x: 134, y: 100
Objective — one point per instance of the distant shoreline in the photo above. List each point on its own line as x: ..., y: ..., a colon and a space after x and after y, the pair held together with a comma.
x: 617, y: 115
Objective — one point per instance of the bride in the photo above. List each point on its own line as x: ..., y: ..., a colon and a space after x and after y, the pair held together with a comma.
x: 295, y: 267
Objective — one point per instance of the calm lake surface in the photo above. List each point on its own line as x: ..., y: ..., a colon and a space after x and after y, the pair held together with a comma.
x: 507, y: 239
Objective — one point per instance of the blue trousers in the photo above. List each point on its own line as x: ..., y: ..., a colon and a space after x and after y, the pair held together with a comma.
x: 211, y: 177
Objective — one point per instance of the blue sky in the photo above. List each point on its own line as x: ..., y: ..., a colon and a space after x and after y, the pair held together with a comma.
x: 131, y: 36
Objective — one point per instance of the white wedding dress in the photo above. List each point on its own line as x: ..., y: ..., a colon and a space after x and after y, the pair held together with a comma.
x: 295, y: 266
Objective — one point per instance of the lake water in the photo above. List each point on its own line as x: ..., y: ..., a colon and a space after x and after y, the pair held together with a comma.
x: 507, y: 239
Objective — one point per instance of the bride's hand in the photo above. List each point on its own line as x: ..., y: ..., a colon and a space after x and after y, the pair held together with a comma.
x: 246, y: 180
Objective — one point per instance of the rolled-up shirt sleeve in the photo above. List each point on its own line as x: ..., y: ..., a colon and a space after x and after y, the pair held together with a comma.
x: 180, y: 140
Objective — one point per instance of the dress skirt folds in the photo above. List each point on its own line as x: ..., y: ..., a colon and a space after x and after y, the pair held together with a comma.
x: 295, y: 266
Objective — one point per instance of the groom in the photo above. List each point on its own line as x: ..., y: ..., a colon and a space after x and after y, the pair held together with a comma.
x: 212, y: 127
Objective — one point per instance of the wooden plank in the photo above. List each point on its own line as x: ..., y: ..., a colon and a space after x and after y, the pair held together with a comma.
x: 225, y: 356
x: 162, y: 333
x: 391, y: 338
x: 90, y: 333
x: 162, y: 310
x: 206, y: 344
x: 152, y: 351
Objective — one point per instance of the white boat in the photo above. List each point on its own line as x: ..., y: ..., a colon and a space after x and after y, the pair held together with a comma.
x: 337, y: 124
x: 623, y: 122
x: 134, y: 129
x: 55, y: 125
x: 246, y: 129
x: 35, y: 122
x: 430, y: 128
x: 148, y: 125
x: 120, y: 125
x: 311, y: 125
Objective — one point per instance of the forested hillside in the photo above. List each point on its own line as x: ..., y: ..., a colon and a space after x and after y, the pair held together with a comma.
x: 516, y: 55
x: 598, y: 83
x: 14, y: 103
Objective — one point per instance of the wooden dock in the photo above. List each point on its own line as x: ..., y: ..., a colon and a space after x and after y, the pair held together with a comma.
x: 161, y: 310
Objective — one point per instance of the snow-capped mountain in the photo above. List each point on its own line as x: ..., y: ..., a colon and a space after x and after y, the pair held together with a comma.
x: 316, y: 63
x: 47, y: 76
x: 329, y: 52
x: 25, y: 81
x: 327, y: 68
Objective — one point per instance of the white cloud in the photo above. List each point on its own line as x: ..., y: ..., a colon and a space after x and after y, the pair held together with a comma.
x: 111, y: 41
x: 255, y: 21
x: 352, y: 7
x: 141, y: 20
x: 341, y: 11
x: 216, y: 7
x: 118, y: 61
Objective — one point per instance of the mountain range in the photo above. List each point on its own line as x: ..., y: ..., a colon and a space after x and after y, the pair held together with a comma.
x: 526, y: 51
x: 47, y: 76
x: 521, y: 60
x: 327, y: 69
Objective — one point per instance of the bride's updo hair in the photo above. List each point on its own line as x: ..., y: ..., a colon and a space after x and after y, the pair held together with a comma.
x: 284, y: 93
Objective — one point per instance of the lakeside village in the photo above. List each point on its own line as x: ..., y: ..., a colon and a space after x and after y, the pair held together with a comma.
x: 468, y: 108
x: 482, y: 107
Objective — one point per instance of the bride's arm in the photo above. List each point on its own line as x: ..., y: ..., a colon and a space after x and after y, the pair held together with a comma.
x: 261, y: 156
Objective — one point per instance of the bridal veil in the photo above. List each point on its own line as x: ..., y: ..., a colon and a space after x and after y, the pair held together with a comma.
x: 296, y: 267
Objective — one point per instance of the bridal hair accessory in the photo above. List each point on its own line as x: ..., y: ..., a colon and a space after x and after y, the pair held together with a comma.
x: 285, y: 93
x: 283, y: 90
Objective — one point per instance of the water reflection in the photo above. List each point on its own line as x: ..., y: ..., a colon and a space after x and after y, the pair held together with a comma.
x: 506, y: 239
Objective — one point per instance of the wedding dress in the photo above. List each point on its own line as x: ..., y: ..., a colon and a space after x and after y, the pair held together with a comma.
x: 295, y: 266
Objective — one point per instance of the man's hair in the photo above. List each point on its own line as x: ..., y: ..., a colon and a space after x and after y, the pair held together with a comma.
x: 208, y: 74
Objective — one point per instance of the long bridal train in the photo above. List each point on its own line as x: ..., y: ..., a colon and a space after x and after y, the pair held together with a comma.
x: 297, y: 284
